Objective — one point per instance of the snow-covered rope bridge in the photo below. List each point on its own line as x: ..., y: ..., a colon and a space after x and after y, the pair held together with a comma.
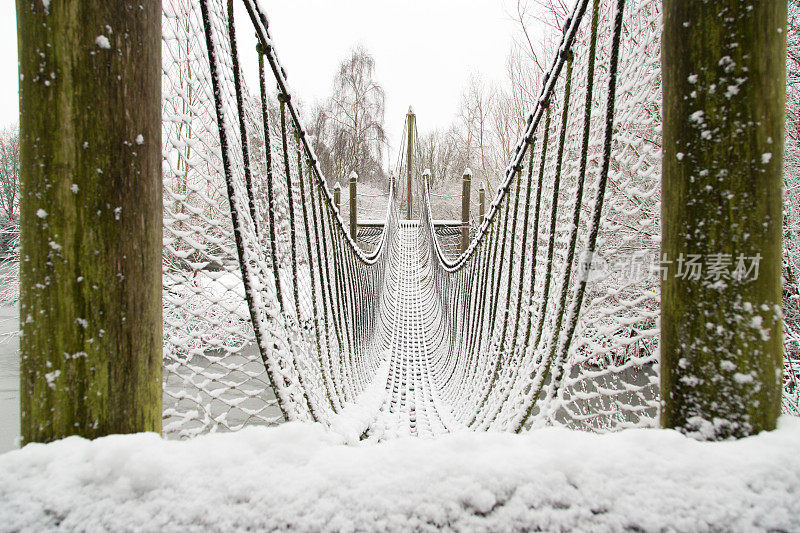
x: 273, y: 312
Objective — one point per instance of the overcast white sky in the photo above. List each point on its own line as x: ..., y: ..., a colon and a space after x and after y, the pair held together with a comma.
x: 9, y: 75
x: 424, y: 50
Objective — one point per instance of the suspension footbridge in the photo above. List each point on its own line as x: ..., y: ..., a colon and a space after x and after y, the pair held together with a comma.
x: 626, y: 273
x: 507, y: 335
x: 547, y: 313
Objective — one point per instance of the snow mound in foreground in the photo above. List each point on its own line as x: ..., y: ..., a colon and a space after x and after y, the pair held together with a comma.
x: 300, y: 477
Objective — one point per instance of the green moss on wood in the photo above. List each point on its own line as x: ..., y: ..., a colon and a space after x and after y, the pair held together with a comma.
x: 723, y: 101
x: 90, y: 271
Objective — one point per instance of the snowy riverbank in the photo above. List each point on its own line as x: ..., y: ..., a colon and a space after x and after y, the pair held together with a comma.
x: 299, y: 476
x: 9, y: 377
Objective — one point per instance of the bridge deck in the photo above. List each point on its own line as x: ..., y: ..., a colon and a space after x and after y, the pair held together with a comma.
x: 412, y: 338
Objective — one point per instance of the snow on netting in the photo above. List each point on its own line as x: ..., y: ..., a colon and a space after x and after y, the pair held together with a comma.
x: 538, y: 333
x: 242, y: 190
x: 273, y: 312
x: 213, y: 374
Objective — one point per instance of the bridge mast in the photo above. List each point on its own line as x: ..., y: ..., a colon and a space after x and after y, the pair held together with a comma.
x: 724, y: 74
x: 409, y: 159
x: 91, y: 216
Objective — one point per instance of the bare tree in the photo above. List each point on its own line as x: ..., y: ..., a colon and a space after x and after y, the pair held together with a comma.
x: 349, y: 128
x: 475, y: 115
x: 791, y: 205
x: 9, y: 172
x: 492, y: 118
x: 793, y: 72
x: 443, y: 153
x: 551, y: 13
x: 791, y: 216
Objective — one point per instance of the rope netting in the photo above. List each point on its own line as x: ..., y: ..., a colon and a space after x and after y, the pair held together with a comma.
x: 273, y: 312
x: 560, y: 331
x: 448, y: 235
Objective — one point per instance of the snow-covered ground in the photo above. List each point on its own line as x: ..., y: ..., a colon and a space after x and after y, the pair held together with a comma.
x: 300, y: 477
x: 9, y: 378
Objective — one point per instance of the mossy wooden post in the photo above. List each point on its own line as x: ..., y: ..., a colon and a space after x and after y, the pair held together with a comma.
x: 353, y: 206
x: 337, y: 197
x: 723, y: 104
x: 481, y: 202
x: 466, y: 180
x: 409, y: 160
x: 90, y: 269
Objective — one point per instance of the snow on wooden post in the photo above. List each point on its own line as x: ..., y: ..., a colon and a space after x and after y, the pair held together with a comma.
x: 409, y: 159
x: 353, y: 206
x: 337, y: 197
x: 91, y: 215
x: 723, y: 67
x: 465, y: 186
x: 481, y: 202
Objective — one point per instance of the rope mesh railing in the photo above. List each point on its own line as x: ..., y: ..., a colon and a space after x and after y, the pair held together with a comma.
x: 525, y: 351
x: 273, y: 312
x: 213, y: 377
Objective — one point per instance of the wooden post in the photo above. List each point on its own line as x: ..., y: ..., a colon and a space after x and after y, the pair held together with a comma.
x: 337, y: 197
x: 91, y: 218
x: 465, y: 187
x: 353, y: 206
x: 723, y: 69
x: 409, y: 160
x: 481, y: 202
x: 426, y: 179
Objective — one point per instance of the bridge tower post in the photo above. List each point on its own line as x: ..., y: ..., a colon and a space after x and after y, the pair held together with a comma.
x: 409, y: 160
x: 724, y: 74
x: 466, y: 180
x: 353, y: 206
x: 91, y: 218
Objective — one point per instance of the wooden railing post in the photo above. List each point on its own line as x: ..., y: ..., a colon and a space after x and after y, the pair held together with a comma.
x: 337, y: 197
x: 724, y: 84
x: 353, y: 206
x: 465, y: 192
x: 481, y: 202
x: 91, y: 218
